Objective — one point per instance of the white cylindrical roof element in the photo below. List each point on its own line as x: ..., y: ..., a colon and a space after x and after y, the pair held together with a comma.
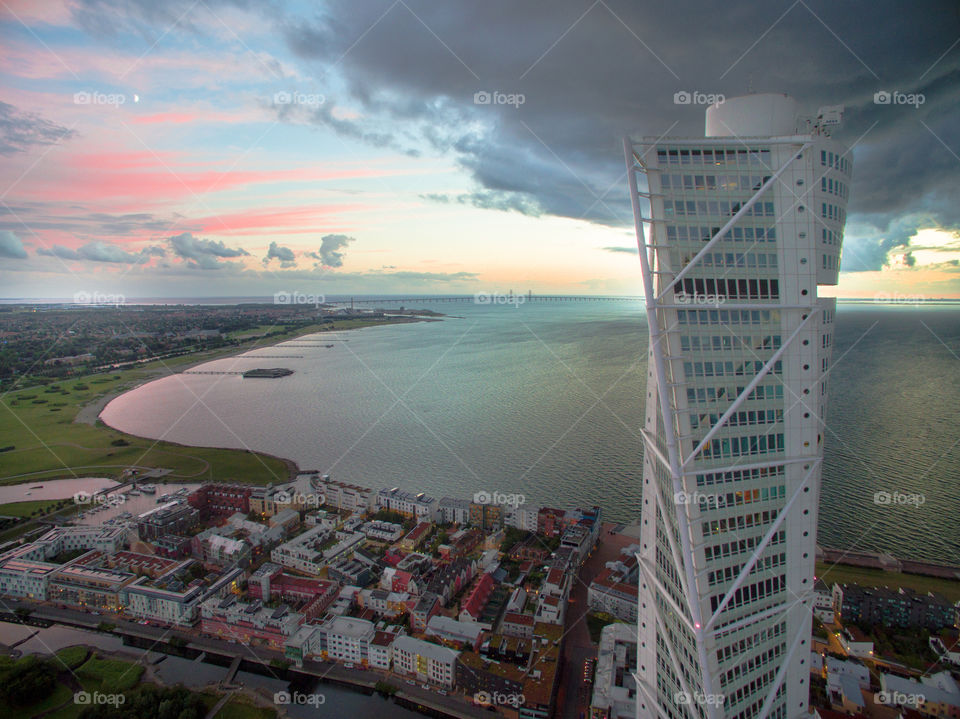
x: 767, y: 114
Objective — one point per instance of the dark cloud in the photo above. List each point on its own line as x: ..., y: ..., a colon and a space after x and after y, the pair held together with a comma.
x: 624, y: 250
x: 284, y: 254
x: 330, y: 253
x: 19, y: 131
x: 11, y: 247
x: 589, y: 76
x: 200, y: 254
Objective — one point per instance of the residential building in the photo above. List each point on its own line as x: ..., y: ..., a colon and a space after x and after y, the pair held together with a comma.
x: 823, y: 602
x: 454, y: 511
x: 221, y: 500
x: 418, y: 506
x: 249, y: 623
x: 415, y: 538
x: 455, y: 632
x: 518, y: 625
x: 169, y: 518
x: 424, y: 662
x: 614, y: 686
x: 901, y: 607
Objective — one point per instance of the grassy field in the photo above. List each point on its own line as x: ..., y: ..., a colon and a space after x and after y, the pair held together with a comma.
x: 109, y: 675
x: 875, y: 577
x: 26, y: 509
x: 239, y: 707
x: 48, y: 444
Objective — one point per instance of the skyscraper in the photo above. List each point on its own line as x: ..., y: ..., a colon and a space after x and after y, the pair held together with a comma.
x: 736, y: 232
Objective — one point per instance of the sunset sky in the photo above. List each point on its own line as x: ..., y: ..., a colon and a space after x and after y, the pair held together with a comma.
x: 206, y: 148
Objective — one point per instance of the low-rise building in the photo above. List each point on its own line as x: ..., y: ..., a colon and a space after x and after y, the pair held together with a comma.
x: 248, y: 622
x: 221, y: 500
x: 169, y: 518
x: 26, y: 578
x: 900, y: 607
x: 425, y: 662
x: 614, y: 589
x: 382, y: 531
x: 416, y: 537
x: 346, y: 639
x: 614, y: 686
x: 454, y: 511
x: 418, y: 506
x: 315, y: 549
x: 427, y: 606
x: 88, y: 588
x: 455, y: 632
x: 518, y: 625
x: 823, y: 602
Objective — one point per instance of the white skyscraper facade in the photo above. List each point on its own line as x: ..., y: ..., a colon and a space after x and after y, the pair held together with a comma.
x: 736, y: 232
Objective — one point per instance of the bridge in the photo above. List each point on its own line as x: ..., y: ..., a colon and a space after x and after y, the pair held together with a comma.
x: 485, y: 298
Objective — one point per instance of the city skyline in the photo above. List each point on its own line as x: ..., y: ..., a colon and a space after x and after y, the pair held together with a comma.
x: 219, y: 150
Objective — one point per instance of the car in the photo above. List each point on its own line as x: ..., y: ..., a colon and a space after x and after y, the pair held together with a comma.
x: 411, y: 682
x: 425, y: 686
x: 349, y: 665
x: 442, y: 691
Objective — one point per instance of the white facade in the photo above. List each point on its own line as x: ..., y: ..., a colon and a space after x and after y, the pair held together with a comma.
x: 521, y: 518
x: 26, y: 578
x: 161, y: 605
x: 347, y: 639
x: 425, y: 661
x: 737, y: 230
x: 419, y: 506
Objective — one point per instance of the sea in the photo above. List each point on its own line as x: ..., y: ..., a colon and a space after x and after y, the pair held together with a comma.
x: 544, y: 401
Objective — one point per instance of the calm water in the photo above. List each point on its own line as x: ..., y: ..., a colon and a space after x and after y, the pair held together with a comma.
x: 547, y: 400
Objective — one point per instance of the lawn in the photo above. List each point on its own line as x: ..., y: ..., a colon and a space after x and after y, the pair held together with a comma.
x: 72, y: 657
x: 27, y: 509
x: 109, y: 675
x: 875, y: 577
x: 240, y: 707
x: 60, y: 694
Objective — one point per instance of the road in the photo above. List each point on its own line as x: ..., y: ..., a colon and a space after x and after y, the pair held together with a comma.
x: 575, y: 694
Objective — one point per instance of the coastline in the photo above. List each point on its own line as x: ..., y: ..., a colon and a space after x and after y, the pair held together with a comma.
x: 155, y: 373
x: 200, y: 358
